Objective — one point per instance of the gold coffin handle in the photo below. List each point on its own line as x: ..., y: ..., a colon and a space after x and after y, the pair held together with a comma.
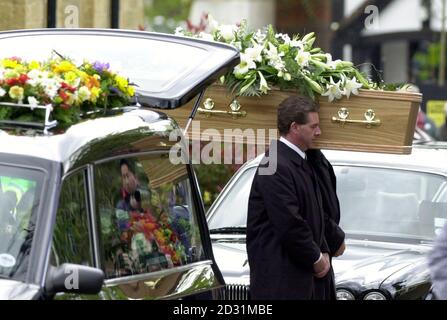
x: 235, y: 112
x: 370, y: 121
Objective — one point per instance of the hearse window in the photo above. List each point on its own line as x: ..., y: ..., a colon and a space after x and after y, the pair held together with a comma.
x: 146, y: 215
x: 71, y: 241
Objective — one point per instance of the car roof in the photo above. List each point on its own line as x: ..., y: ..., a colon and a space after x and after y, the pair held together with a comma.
x: 427, y: 158
x: 168, y: 70
x: 136, y: 130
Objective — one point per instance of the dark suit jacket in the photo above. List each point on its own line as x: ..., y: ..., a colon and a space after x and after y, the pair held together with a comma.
x: 285, y: 230
x: 334, y: 234
x: 328, y: 186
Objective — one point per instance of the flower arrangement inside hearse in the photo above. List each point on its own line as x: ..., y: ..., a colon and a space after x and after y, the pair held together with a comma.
x: 59, y: 84
x: 157, y: 234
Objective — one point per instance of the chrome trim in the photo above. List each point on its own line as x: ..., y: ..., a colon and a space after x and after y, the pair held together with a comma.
x: 47, y: 124
x: 389, y: 167
x: 90, y: 184
x: 162, y: 273
x: 48, y: 229
x: 129, y: 155
x: 235, y: 292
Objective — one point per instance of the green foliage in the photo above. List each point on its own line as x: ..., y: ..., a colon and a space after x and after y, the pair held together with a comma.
x: 428, y: 62
x: 164, y: 15
x: 212, y: 178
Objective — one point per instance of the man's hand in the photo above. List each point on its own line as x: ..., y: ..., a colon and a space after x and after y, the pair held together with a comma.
x: 340, y: 250
x: 322, y: 267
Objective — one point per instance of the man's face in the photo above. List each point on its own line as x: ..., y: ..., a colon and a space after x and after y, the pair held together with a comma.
x: 308, y: 132
x: 129, y: 180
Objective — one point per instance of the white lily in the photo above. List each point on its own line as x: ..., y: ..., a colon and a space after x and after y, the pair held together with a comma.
x: 303, y: 58
x: 2, y: 92
x: 263, y: 86
x: 227, y: 32
x: 274, y: 58
x: 244, y: 66
x: 284, y: 36
x: 332, y: 64
x: 297, y: 44
x: 272, y: 52
x: 255, y: 52
x: 240, y: 70
x: 333, y: 91
x: 248, y: 60
x: 352, y: 86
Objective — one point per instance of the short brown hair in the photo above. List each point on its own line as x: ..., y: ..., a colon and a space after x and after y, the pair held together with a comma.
x: 294, y: 109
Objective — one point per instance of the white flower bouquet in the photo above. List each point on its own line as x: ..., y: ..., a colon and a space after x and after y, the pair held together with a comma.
x: 270, y: 59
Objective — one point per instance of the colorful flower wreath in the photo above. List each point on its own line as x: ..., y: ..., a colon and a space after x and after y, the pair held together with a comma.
x: 70, y: 90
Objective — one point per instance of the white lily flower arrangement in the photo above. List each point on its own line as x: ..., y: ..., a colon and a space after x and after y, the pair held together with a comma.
x: 274, y: 60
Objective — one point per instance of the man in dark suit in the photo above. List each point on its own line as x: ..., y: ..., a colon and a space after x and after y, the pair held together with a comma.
x: 286, y: 243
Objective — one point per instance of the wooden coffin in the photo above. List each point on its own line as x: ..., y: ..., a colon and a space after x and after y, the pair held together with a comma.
x: 373, y: 121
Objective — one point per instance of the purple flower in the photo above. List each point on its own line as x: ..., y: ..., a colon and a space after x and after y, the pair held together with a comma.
x: 114, y: 90
x: 98, y: 66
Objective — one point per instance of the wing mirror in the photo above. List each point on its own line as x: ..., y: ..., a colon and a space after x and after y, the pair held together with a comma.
x: 73, y: 278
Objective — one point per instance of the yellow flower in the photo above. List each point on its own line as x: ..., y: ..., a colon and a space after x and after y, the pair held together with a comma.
x: 71, y: 77
x: 16, y: 93
x: 8, y: 63
x: 131, y: 91
x: 121, y: 83
x: 95, y: 92
x: 34, y: 65
x: 83, y: 75
x: 64, y: 66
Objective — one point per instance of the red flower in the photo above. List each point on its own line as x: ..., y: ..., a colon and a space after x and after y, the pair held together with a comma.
x: 23, y: 79
x: 67, y: 87
x: 12, y: 82
x: 63, y: 95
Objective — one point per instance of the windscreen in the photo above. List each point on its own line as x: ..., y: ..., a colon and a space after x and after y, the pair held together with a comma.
x: 19, y: 200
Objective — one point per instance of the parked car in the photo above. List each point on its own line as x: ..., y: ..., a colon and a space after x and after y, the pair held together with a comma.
x: 392, y: 207
x: 97, y: 210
